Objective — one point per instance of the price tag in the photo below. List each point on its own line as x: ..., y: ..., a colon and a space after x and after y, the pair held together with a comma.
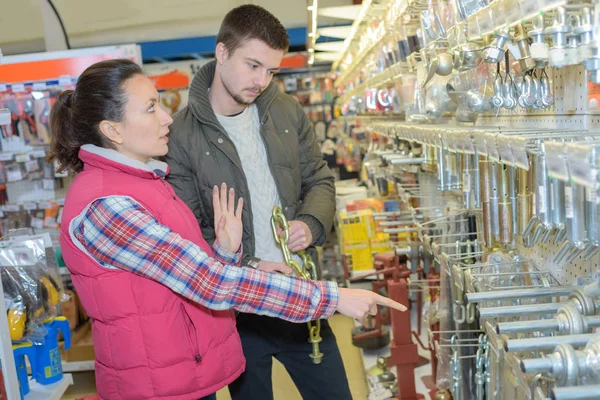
x: 30, y: 206
x: 37, y: 223
x: 39, y: 86
x: 518, y: 146
x: 14, y: 175
x: 18, y: 88
x: 492, y: 148
x: 48, y: 184
x: 591, y: 195
x: 44, y: 205
x: 60, y: 202
x: 32, y: 166
x: 12, y: 208
x: 64, y: 80
x: 22, y: 158
x: 480, y: 144
x: 50, y: 222
x: 569, y: 202
x: 1, y: 213
x: 466, y: 182
x: 38, y: 154
x: 6, y: 156
x: 60, y: 213
x: 3, y: 87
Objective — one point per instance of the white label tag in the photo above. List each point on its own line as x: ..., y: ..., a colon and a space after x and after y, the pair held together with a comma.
x: 39, y: 85
x: 44, y: 205
x: 6, y: 156
x: 18, y: 88
x: 11, y: 208
x: 22, y: 158
x: 64, y: 80
x: 466, y: 182
x: 38, y: 154
x: 1, y: 213
x: 14, y: 176
x: 50, y: 222
x: 48, y: 184
x: 3, y: 87
x: 59, y: 218
x: 30, y: 206
x: 37, y: 223
x: 32, y: 166
x: 542, y: 199
x: 590, y: 195
x: 569, y: 202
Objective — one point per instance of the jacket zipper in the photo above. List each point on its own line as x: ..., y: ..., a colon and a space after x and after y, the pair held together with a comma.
x: 192, y: 334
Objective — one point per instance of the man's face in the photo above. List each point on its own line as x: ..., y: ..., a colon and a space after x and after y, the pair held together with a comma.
x: 249, y: 70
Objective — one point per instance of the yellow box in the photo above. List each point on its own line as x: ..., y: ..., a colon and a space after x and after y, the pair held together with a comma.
x: 381, y: 245
x: 358, y: 257
x: 356, y: 226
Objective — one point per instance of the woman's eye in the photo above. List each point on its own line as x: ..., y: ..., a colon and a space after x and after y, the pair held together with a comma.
x: 151, y: 109
x: 252, y: 66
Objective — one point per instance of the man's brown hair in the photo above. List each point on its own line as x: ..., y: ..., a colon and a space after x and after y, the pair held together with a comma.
x: 252, y: 22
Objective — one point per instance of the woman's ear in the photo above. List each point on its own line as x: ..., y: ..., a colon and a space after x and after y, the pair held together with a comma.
x: 111, y: 131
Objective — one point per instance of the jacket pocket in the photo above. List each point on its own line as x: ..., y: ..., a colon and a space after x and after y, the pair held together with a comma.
x: 191, y: 332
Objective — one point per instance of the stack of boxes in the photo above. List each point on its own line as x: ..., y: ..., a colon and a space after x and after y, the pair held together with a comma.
x: 360, y: 235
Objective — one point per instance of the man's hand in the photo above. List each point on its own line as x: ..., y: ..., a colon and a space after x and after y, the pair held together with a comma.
x: 268, y: 266
x: 300, y: 236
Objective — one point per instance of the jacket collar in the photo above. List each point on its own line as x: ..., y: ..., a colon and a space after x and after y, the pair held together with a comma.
x: 199, y: 102
x: 112, y: 160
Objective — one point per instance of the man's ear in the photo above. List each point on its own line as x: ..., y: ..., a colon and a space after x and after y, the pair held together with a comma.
x: 221, y: 53
x: 111, y: 131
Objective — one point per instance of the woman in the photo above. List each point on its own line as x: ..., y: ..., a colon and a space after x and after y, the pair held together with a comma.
x: 159, y: 296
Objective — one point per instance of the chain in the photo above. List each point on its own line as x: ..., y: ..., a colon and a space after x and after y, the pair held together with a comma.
x: 307, y: 270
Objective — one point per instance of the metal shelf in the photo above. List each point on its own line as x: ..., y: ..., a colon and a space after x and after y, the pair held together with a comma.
x: 54, y: 391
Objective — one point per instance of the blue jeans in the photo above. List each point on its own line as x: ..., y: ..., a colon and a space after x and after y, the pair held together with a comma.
x: 210, y: 397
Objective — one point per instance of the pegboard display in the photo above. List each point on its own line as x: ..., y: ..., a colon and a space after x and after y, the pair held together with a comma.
x: 567, y: 273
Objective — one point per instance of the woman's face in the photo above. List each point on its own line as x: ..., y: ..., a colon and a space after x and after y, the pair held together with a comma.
x: 143, y: 132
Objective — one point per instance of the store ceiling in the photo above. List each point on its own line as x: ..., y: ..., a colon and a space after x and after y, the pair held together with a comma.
x: 96, y: 23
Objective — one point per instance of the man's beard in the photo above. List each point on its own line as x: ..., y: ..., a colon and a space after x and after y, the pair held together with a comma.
x: 238, y: 97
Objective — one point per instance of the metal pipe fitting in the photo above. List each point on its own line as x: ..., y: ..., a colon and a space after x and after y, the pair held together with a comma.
x: 505, y: 212
x: 546, y: 343
x: 518, y: 293
x: 525, y: 202
x: 513, y: 311
x: 563, y: 365
x: 567, y: 365
x: 495, y: 52
x: 526, y: 62
x: 488, y: 224
x: 406, y: 161
x: 568, y: 320
x: 559, y: 28
x: 587, y: 392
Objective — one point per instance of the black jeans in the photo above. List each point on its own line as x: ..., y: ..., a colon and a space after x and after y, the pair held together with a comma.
x: 265, y: 337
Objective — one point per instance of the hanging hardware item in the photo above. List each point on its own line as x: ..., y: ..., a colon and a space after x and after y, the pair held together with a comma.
x: 308, y: 270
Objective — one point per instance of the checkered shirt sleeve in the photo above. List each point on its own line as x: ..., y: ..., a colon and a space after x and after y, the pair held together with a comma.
x: 119, y: 233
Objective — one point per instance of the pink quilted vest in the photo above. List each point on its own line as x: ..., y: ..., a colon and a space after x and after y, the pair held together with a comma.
x: 150, y: 343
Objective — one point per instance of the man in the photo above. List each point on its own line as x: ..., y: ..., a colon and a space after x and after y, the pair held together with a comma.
x: 239, y: 129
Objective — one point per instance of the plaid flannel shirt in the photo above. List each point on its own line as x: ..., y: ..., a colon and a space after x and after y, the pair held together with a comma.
x: 120, y: 233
